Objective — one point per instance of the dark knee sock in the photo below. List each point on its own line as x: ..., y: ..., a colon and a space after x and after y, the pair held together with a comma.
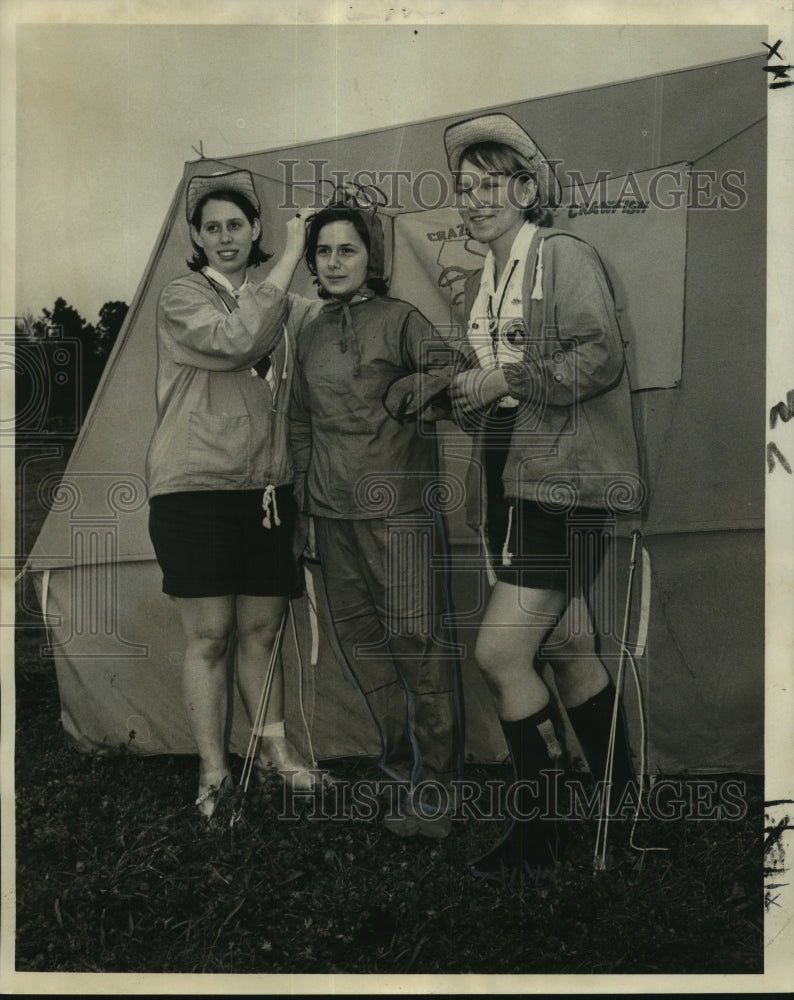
x: 534, y: 842
x: 592, y: 722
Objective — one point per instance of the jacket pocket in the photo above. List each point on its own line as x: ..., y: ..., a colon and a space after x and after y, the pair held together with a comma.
x: 219, y: 446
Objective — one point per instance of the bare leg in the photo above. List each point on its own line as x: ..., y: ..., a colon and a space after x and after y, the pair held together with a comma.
x: 207, y: 622
x: 516, y: 622
x: 514, y: 626
x: 578, y: 672
x: 587, y: 693
x: 258, y: 621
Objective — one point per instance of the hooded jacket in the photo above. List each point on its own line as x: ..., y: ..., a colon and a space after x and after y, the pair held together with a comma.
x: 220, y: 425
x: 573, y: 440
x: 352, y: 458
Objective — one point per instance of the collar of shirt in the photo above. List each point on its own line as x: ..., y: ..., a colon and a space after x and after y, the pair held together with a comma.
x: 518, y: 255
x: 487, y: 331
x: 222, y: 280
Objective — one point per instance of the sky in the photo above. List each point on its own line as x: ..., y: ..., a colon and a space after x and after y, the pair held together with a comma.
x: 106, y: 114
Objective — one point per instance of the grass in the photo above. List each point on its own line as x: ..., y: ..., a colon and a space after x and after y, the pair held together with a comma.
x: 115, y: 874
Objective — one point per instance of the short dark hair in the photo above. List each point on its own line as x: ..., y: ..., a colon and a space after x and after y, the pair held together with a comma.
x: 497, y: 158
x: 323, y: 218
x: 257, y: 255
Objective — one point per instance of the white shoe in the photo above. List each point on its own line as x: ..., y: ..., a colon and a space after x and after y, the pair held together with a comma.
x: 209, y: 796
x: 277, y: 753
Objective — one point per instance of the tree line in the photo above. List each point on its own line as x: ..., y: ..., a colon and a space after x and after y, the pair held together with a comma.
x: 58, y: 361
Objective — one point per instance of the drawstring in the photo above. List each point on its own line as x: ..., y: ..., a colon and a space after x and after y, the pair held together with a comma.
x: 268, y: 500
x: 537, y: 287
x: 507, y: 555
x: 488, y: 563
x: 346, y: 318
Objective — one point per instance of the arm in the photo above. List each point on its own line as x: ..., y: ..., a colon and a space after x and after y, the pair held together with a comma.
x: 300, y: 441
x: 300, y: 435
x: 433, y: 362
x: 283, y: 271
x: 202, y: 335
x: 582, y: 354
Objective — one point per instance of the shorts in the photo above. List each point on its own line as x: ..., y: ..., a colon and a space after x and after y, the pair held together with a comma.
x: 212, y: 543
x: 532, y: 546
x: 547, y: 550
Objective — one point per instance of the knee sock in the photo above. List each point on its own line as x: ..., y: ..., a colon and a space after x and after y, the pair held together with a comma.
x: 528, y: 843
x: 592, y: 722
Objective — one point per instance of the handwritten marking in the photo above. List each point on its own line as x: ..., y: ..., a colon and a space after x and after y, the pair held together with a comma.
x: 780, y: 78
x: 773, y: 845
x: 784, y: 411
x: 773, y: 49
x: 772, y: 453
x: 781, y: 72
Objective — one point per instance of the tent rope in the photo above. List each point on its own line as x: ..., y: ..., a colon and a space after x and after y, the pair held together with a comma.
x: 300, y: 686
x: 731, y: 138
x: 261, y: 709
x: 602, y: 831
x: 317, y: 185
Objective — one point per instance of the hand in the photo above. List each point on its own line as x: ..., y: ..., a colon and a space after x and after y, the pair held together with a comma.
x: 296, y: 232
x: 284, y: 269
x: 413, y: 395
x: 304, y: 545
x: 303, y: 541
x: 475, y: 389
x: 310, y: 551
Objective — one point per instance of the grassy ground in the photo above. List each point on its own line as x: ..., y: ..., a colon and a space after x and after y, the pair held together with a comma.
x: 115, y: 874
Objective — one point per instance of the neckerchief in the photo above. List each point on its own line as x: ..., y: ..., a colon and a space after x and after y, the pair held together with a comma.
x: 497, y: 330
x: 347, y: 330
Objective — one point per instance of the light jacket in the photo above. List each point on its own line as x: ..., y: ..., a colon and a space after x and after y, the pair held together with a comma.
x: 352, y: 458
x: 573, y: 440
x: 220, y: 426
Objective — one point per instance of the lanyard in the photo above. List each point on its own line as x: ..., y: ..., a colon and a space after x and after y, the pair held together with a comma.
x: 493, y: 321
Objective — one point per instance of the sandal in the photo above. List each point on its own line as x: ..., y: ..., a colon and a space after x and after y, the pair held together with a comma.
x: 278, y: 754
x: 210, y: 795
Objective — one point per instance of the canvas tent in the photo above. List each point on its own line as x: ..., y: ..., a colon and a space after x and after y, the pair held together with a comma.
x: 689, y: 274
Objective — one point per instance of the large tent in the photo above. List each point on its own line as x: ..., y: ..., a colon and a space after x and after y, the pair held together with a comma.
x: 665, y: 175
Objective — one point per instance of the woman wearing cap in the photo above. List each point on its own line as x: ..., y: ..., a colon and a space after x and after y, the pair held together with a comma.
x: 366, y: 478
x: 219, y: 474
x: 549, y: 390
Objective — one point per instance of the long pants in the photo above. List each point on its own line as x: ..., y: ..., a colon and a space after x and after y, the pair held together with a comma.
x: 386, y: 592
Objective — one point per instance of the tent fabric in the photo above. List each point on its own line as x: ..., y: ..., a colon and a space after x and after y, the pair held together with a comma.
x: 636, y: 222
x: 116, y: 640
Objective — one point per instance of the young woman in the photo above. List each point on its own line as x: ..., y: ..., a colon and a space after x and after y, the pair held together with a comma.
x: 366, y: 479
x: 219, y: 474
x: 555, y: 453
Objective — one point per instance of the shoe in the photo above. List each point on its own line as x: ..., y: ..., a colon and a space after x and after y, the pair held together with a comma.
x: 433, y: 823
x: 209, y: 797
x: 410, y: 821
x: 523, y: 853
x: 404, y: 824
x: 277, y: 753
